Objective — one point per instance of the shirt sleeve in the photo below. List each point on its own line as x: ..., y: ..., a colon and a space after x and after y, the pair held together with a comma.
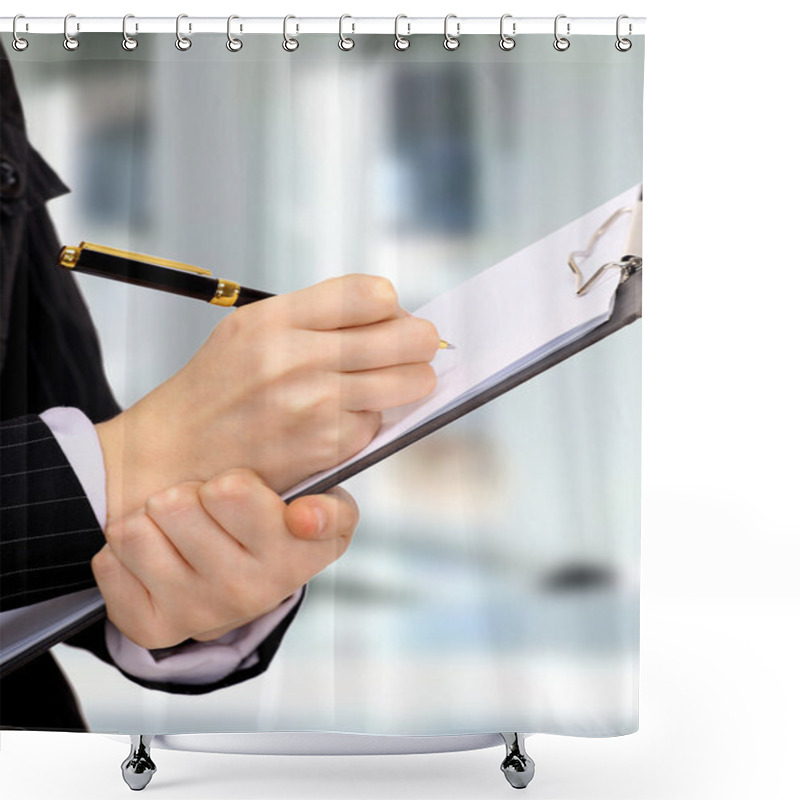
x: 188, y: 663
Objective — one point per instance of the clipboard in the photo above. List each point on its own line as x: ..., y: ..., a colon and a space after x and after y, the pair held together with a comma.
x: 51, y: 621
x: 627, y: 309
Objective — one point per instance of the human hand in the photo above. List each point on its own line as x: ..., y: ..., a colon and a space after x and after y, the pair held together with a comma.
x: 287, y: 387
x: 200, y: 559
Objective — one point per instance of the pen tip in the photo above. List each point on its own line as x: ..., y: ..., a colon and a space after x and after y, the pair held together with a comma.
x: 443, y: 345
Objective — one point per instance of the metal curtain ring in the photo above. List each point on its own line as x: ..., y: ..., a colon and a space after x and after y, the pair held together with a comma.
x: 70, y: 42
x: 344, y: 42
x: 128, y: 42
x: 400, y: 42
x: 451, y: 42
x: 289, y: 44
x: 233, y: 44
x: 507, y: 42
x: 561, y: 43
x: 623, y: 45
x: 182, y: 42
x: 19, y: 43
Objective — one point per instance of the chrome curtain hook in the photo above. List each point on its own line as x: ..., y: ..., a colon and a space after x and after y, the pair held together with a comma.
x: 19, y: 44
x: 346, y: 43
x: 400, y: 42
x: 128, y: 42
x: 507, y: 42
x: 182, y: 42
x: 451, y: 42
x: 561, y: 43
x: 70, y: 42
x: 623, y: 45
x: 233, y: 44
x: 290, y: 44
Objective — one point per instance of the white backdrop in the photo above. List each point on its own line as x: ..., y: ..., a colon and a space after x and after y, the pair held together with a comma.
x: 720, y: 599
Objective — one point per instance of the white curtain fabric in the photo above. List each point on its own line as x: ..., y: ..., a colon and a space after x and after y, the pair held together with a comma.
x: 492, y: 584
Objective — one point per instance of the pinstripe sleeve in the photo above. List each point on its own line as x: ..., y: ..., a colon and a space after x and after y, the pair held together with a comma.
x: 48, y: 530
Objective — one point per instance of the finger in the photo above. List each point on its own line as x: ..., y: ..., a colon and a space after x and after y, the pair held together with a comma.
x: 142, y: 548
x: 376, y: 390
x: 203, y: 544
x: 297, y: 560
x: 397, y: 341
x: 249, y: 510
x: 342, y: 302
x: 322, y: 516
x: 246, y: 508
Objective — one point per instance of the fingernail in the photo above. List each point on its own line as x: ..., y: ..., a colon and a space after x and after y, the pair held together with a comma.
x: 322, y: 519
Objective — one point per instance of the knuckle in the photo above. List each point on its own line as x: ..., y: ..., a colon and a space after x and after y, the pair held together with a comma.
x: 231, y: 486
x: 171, y: 501
x: 114, y: 533
x: 386, y: 293
x: 127, y: 532
x: 314, y: 396
x: 324, y: 393
x: 379, y: 291
x: 103, y: 563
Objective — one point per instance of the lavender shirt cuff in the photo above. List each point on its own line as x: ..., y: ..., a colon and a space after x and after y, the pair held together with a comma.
x: 191, y: 663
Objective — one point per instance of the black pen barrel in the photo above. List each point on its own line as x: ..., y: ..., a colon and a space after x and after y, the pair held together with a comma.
x: 140, y: 273
x: 247, y: 296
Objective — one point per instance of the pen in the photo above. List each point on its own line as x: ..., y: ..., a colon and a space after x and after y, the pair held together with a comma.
x: 163, y: 274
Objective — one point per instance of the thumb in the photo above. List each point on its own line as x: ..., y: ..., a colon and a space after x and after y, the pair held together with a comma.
x: 322, y: 516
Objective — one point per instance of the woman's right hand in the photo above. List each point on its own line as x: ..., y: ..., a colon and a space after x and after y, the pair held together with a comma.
x: 286, y: 386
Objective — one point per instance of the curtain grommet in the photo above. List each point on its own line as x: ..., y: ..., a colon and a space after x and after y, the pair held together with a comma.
x: 345, y: 42
x: 70, y: 42
x: 622, y: 44
x: 183, y: 43
x: 451, y: 42
x: 128, y: 42
x: 401, y: 42
x: 233, y: 44
x: 507, y: 42
x: 561, y: 43
x: 290, y: 44
x: 18, y: 43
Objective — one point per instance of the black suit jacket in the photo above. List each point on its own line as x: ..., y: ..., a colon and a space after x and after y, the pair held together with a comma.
x: 49, y: 356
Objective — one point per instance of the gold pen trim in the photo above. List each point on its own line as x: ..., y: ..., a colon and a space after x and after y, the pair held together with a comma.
x: 227, y: 293
x: 70, y: 256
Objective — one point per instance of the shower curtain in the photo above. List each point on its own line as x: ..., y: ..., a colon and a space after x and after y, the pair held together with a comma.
x: 492, y: 581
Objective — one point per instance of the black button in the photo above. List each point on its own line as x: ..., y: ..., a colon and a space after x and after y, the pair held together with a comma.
x: 9, y: 179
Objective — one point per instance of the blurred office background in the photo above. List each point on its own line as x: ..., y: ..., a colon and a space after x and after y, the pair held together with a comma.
x: 495, y: 569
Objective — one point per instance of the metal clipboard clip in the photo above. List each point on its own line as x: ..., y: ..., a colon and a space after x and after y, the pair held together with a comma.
x: 627, y: 265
